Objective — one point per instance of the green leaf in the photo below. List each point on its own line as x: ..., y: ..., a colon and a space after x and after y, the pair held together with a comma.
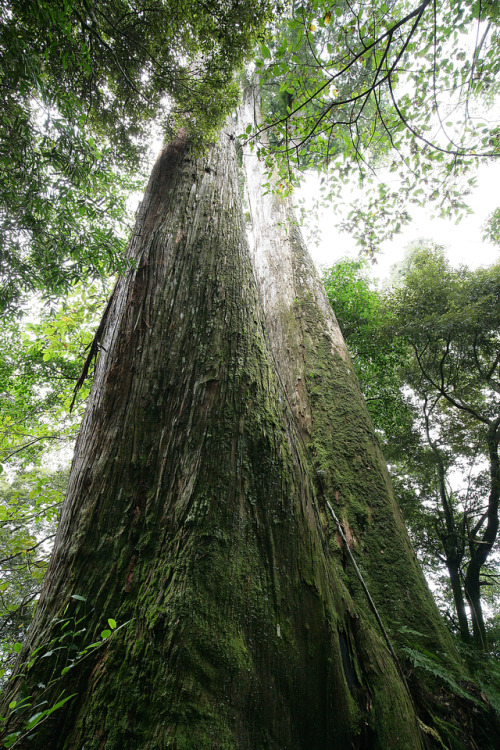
x: 105, y: 634
x: 11, y: 738
x: 35, y: 719
x: 18, y: 647
x: 112, y: 623
x: 265, y: 52
x: 60, y: 703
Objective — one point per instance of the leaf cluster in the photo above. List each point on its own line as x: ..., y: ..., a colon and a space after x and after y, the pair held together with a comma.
x: 381, y: 88
x: 81, y: 83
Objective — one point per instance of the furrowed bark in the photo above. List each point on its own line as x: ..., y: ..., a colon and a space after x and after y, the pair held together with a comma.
x: 328, y: 405
x: 191, y: 515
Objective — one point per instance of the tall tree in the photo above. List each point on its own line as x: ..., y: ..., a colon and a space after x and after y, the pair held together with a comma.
x: 219, y: 443
x: 450, y: 319
x: 205, y: 531
x: 430, y: 342
x: 197, y: 515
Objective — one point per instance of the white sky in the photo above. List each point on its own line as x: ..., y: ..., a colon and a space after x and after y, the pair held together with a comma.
x: 462, y: 241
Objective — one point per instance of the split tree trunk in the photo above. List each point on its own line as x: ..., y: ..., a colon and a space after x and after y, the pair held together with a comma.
x: 191, y: 512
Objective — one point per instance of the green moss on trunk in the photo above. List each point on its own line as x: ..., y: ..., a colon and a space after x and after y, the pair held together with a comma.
x: 191, y: 513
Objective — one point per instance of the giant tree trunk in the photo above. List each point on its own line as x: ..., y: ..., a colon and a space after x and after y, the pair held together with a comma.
x: 192, y: 515
x: 190, y: 510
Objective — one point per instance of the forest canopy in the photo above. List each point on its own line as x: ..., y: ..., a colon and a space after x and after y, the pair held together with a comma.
x: 371, y: 88
x: 82, y: 83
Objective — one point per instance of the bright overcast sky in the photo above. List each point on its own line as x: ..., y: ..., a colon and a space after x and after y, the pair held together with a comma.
x: 462, y: 241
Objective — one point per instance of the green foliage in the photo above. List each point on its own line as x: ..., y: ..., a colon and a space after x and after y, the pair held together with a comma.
x: 491, y: 229
x: 67, y: 649
x: 39, y: 365
x: 29, y: 511
x: 433, y: 337
x: 428, y: 662
x: 62, y: 200
x: 388, y: 87
x: 378, y: 357
x: 485, y: 667
x: 81, y: 83
x: 450, y: 319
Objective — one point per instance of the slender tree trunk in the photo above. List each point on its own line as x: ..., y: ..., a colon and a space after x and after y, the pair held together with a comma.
x: 453, y: 546
x: 192, y: 516
x: 481, y: 548
x: 458, y: 598
x: 473, y: 591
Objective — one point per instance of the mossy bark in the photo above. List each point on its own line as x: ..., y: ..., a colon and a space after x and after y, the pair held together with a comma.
x: 323, y: 390
x: 191, y: 514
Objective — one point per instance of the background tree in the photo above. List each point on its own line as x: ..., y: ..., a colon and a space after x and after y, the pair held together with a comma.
x: 444, y: 327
